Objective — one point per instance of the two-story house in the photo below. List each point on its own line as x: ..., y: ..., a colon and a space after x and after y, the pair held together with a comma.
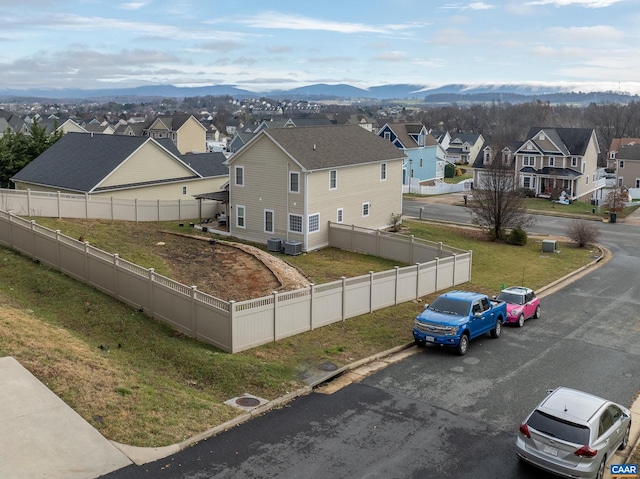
x: 553, y: 160
x: 463, y: 148
x: 289, y: 183
x: 628, y: 165
x: 425, y: 157
x: 186, y: 132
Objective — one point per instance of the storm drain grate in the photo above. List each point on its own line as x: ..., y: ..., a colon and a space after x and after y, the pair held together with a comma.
x: 246, y: 402
x: 327, y: 367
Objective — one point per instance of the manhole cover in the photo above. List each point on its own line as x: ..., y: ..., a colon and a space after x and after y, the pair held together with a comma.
x: 247, y: 402
x: 327, y: 367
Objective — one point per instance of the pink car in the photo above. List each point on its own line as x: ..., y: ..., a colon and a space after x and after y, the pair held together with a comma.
x: 522, y: 304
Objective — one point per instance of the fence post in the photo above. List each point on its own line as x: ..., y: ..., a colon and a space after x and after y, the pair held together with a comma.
x: 86, y: 262
x: 275, y: 314
x: 59, y: 207
x: 377, y: 242
x: 371, y: 291
x: 417, y: 280
x: 10, y: 230
x: 194, y: 315
x: 232, y: 309
x: 437, y: 271
x: 395, y: 299
x: 112, y: 208
x: 29, y: 201
x: 116, y: 258
x: 344, y: 294
x: 455, y: 256
x: 312, y: 287
x: 440, y: 249
x: 33, y: 240
x: 58, y: 249
x: 411, y: 246
x: 86, y: 206
x: 135, y: 205
x: 158, y: 209
x: 421, y: 210
x: 353, y: 232
x: 179, y: 209
x: 151, y: 279
x: 470, y: 262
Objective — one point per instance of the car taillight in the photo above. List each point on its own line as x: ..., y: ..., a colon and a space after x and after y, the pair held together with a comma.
x: 586, y: 451
x: 524, y: 429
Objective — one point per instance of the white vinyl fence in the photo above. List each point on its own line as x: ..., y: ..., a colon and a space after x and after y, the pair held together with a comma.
x: 60, y: 205
x: 237, y: 326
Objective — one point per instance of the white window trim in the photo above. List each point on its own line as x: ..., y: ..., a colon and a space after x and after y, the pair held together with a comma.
x: 235, y: 176
x: 552, y: 161
x: 574, y: 161
x: 368, y: 206
x: 292, y: 215
x: 339, y: 215
x: 273, y: 221
x: 291, y: 174
x: 309, y: 231
x: 621, y: 164
x: 244, y: 216
x: 333, y: 174
x: 383, y: 171
x: 184, y: 190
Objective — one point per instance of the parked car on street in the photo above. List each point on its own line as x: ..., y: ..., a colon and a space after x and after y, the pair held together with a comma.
x: 573, y: 433
x: 522, y: 304
x: 456, y: 317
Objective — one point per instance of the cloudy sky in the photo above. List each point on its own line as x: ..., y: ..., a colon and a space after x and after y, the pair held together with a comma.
x: 261, y: 44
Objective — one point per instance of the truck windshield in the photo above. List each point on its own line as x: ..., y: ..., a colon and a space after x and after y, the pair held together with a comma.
x: 450, y: 306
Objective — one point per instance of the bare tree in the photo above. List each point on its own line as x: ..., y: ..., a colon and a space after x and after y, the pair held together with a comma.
x: 583, y: 232
x: 617, y: 199
x: 497, y: 204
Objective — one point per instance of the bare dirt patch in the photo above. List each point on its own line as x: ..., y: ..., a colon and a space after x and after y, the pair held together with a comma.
x: 227, y: 270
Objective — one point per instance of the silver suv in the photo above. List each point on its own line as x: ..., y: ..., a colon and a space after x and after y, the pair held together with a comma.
x: 572, y: 433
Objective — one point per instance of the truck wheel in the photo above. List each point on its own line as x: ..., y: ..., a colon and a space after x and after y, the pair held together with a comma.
x: 537, y: 313
x: 521, y: 320
x: 420, y: 344
x: 625, y: 439
x: 463, y: 345
x: 495, y: 332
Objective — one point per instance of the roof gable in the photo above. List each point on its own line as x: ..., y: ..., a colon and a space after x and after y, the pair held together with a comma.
x: 321, y: 147
x: 82, y: 162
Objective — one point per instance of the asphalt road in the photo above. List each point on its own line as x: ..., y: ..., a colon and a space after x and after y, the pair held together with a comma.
x: 439, y: 415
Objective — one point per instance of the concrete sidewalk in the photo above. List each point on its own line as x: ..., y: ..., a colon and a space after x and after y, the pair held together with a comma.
x: 42, y: 437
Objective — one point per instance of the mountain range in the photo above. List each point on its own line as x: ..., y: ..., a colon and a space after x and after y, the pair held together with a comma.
x: 452, y: 93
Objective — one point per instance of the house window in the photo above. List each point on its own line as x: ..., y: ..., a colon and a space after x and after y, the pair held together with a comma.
x: 552, y: 161
x: 184, y: 190
x: 295, y: 223
x: 621, y: 181
x: 621, y: 163
x: 587, y: 180
x: 528, y: 161
x: 239, y: 175
x: 314, y: 223
x: 268, y: 221
x: 240, y: 216
x: 420, y: 162
x: 387, y: 135
x: 383, y: 171
x: 340, y: 215
x: 173, y: 136
x: 294, y: 182
x: 365, y: 209
x: 333, y: 179
x: 612, y: 155
x: 526, y: 182
x: 637, y: 183
x: 574, y: 161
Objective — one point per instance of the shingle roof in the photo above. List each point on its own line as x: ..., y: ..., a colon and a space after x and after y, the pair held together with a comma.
x: 572, y: 141
x: 207, y: 164
x: 629, y: 152
x: 80, y: 161
x: 318, y: 147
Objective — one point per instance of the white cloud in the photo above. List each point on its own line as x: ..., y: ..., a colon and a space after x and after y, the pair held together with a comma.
x: 467, y: 6
x: 133, y: 5
x: 579, y: 3
x: 599, y: 33
x: 275, y: 20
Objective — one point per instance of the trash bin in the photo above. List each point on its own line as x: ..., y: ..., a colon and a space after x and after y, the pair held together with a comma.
x: 612, y: 217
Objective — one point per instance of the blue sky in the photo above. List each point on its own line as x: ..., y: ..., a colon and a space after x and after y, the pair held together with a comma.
x: 261, y: 45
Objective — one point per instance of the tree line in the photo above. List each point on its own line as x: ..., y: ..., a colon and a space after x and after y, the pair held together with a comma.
x: 17, y: 150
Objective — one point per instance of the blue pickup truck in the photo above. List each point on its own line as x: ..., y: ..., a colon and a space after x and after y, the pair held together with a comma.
x: 456, y: 317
